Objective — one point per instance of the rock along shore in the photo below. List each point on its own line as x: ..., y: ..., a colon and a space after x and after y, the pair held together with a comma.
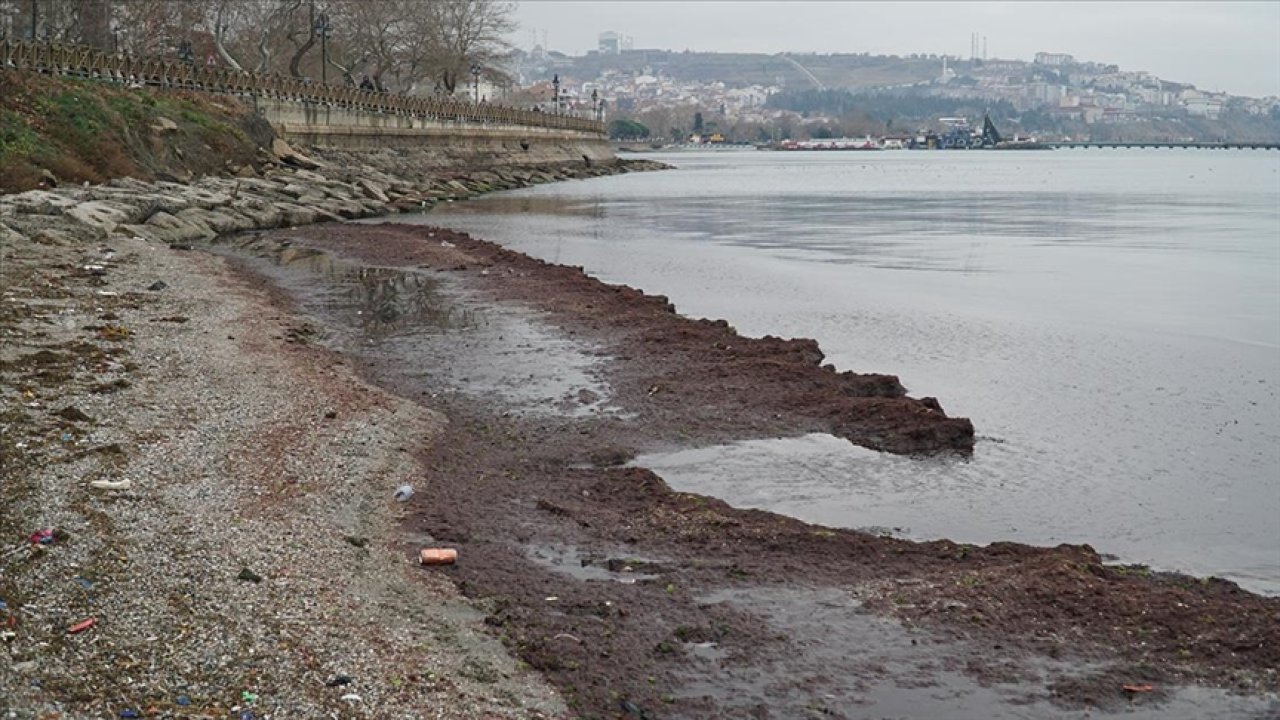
x: 292, y: 190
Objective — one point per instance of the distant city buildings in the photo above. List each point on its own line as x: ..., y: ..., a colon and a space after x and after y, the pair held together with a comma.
x: 1053, y: 59
x: 1055, y: 84
x: 612, y: 43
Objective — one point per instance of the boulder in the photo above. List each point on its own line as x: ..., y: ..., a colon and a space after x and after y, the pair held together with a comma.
x: 220, y: 221
x: 164, y: 125
x: 372, y: 191
x: 105, y: 215
x: 287, y: 154
x: 38, y: 202
x: 172, y: 229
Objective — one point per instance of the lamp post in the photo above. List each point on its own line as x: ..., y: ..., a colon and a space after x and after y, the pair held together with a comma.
x: 595, y: 104
x: 322, y: 28
x: 555, y: 92
x: 475, y: 81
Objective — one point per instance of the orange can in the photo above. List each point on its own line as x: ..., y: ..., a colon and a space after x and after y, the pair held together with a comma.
x: 438, y: 556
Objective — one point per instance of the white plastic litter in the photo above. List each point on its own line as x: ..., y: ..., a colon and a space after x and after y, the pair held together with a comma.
x: 111, y: 484
x: 404, y: 492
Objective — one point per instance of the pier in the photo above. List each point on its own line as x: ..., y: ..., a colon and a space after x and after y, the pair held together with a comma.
x: 1190, y: 145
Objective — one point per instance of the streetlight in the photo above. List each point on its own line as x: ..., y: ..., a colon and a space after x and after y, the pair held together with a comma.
x: 475, y: 80
x: 555, y: 92
x: 595, y: 103
x: 322, y: 28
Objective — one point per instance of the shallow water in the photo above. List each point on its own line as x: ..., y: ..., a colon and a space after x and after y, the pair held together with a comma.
x: 1110, y: 320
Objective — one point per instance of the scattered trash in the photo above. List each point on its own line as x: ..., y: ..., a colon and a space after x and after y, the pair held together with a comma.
x: 249, y: 576
x: 438, y: 556
x: 1139, y: 688
x: 339, y: 680
x: 248, y: 697
x: 82, y: 626
x: 84, y: 582
x: 130, y: 714
x: 403, y: 493
x: 246, y: 715
x: 95, y: 270
x: 352, y: 697
x: 111, y: 484
x: 446, y: 243
x: 553, y: 598
x: 157, y: 286
x: 4, y: 605
x: 42, y: 537
x: 108, y: 293
x: 183, y: 700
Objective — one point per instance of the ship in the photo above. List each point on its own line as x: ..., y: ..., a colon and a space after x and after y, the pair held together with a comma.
x: 866, y: 143
x: 992, y: 140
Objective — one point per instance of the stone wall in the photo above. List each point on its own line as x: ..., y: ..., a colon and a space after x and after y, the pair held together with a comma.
x: 443, y: 142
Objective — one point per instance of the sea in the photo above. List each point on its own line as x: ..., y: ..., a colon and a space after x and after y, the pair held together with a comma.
x: 1109, y: 319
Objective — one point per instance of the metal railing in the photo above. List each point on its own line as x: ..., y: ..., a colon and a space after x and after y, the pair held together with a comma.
x: 76, y: 60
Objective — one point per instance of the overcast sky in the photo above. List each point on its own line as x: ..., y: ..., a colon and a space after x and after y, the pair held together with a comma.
x: 1231, y: 46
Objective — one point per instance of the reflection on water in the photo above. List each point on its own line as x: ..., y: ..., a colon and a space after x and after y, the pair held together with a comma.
x: 384, y: 301
x: 429, y: 336
x: 1113, y: 318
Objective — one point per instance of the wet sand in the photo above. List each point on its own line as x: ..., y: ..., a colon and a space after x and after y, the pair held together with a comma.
x: 637, y: 601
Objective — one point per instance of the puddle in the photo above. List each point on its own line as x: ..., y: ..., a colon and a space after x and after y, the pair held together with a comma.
x: 424, y: 328
x: 855, y: 664
x: 620, y: 568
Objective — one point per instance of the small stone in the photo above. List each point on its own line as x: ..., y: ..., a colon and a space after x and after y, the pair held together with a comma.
x: 248, y: 575
x: 74, y: 414
x: 157, y: 286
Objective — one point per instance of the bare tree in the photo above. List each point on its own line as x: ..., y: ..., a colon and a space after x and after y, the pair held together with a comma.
x: 471, y: 32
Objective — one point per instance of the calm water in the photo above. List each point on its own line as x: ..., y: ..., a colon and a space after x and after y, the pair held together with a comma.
x: 1110, y: 320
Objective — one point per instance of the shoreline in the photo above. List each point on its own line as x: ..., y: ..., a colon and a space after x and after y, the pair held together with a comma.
x: 530, y: 487
x: 522, y: 497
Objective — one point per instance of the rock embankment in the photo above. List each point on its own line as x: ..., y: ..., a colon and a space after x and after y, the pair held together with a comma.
x: 297, y: 190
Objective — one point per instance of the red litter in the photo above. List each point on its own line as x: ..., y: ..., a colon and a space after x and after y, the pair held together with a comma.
x: 42, y: 537
x: 82, y: 626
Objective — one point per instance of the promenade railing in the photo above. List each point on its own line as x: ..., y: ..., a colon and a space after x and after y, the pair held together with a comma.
x: 80, y: 61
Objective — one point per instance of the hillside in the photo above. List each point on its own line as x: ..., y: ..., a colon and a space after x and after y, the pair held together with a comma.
x: 744, y: 69
x: 60, y: 130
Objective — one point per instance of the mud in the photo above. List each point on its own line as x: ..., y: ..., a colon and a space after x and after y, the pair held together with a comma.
x: 637, y: 601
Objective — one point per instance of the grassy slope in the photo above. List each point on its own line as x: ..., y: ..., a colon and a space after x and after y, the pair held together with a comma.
x: 85, y: 130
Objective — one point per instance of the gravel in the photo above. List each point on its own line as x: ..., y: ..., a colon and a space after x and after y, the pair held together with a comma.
x: 252, y: 567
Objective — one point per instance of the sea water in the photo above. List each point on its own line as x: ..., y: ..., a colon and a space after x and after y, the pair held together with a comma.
x: 1109, y: 320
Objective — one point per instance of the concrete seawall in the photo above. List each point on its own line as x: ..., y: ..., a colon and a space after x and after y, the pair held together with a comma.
x: 442, y: 142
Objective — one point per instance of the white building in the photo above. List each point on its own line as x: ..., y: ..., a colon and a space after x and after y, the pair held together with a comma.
x: 1053, y: 59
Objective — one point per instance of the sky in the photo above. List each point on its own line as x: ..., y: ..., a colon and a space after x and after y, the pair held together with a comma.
x: 1217, y: 46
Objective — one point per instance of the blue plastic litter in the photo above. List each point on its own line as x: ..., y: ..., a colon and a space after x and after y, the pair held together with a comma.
x: 184, y: 700
x: 130, y: 714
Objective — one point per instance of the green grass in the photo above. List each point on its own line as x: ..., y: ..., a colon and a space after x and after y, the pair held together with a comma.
x: 17, y: 138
